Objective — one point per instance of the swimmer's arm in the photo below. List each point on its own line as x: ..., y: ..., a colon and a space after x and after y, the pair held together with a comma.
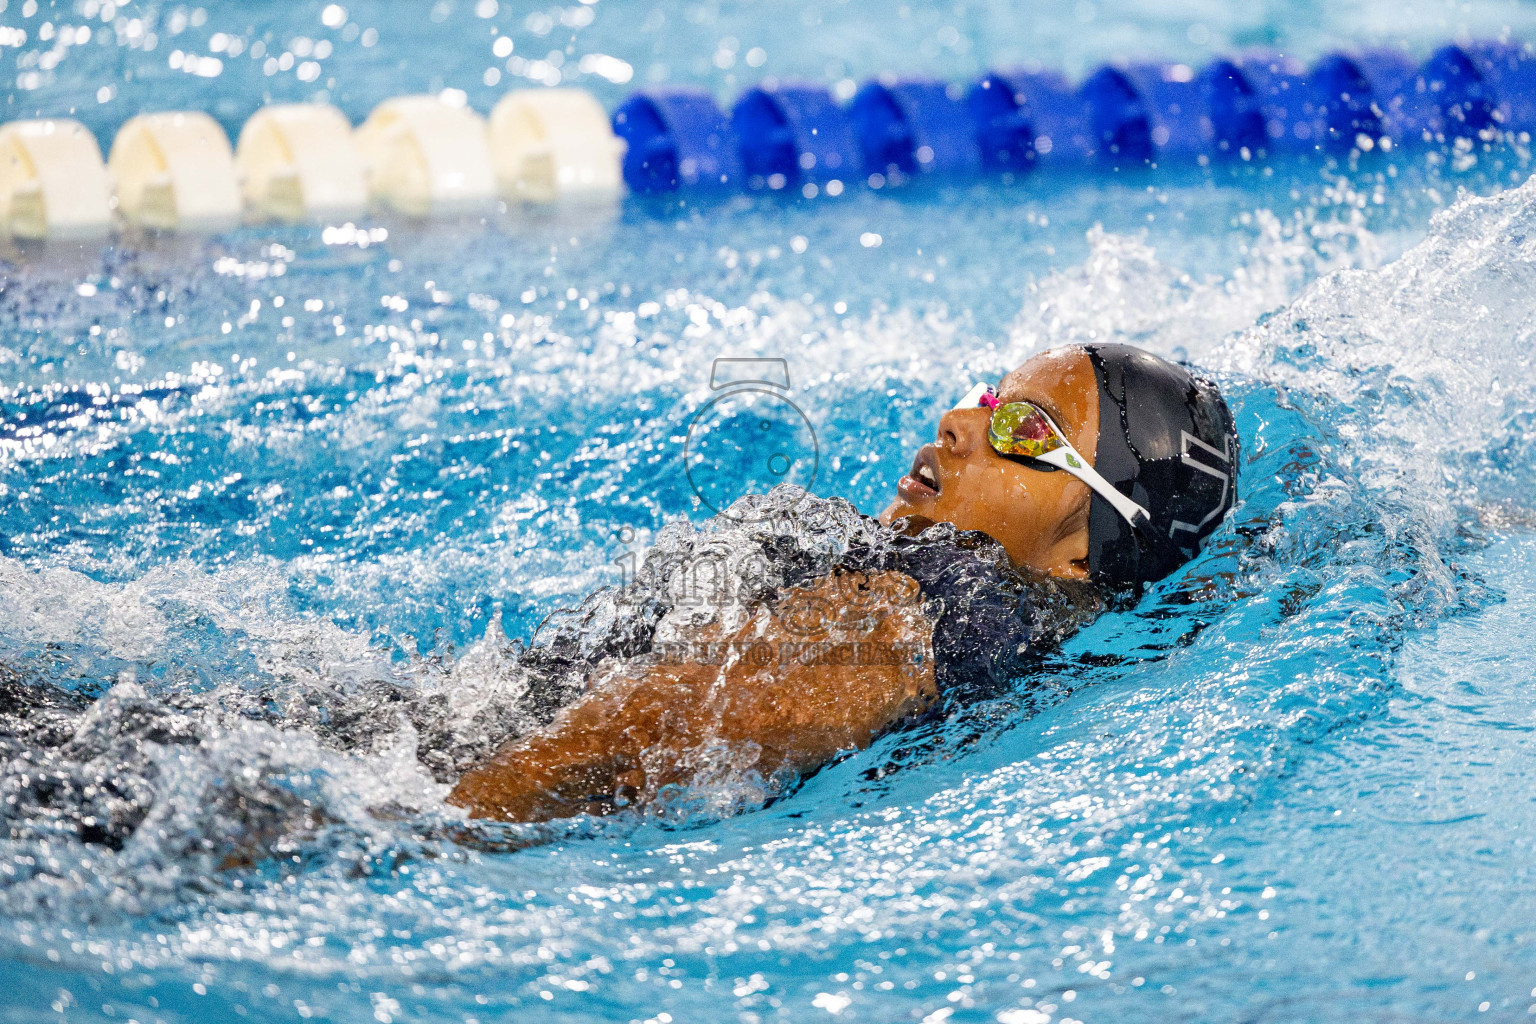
x: 776, y: 702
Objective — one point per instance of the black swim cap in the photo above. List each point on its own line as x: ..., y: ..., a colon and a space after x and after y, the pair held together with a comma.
x: 1166, y: 441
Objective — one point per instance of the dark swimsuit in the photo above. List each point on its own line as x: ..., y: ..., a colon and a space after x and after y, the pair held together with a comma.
x: 990, y: 623
x: 990, y: 620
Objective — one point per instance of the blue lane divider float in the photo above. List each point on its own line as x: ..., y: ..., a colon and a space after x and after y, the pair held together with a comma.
x: 1283, y: 98
x: 1118, y: 126
x: 915, y: 126
x: 1025, y: 118
x: 793, y: 136
x: 1147, y: 112
x: 1486, y: 85
x: 1255, y: 105
x: 1351, y: 107
x: 677, y: 138
x: 1406, y: 113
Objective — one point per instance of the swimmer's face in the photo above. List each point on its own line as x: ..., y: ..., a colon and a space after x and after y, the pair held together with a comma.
x: 1040, y: 517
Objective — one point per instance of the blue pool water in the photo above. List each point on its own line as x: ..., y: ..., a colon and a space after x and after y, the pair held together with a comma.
x: 291, y: 468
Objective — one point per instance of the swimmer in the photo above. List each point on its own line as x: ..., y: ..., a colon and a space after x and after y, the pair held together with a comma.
x: 1095, y: 470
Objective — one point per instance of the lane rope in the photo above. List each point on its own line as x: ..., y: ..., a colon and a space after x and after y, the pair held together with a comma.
x: 423, y: 156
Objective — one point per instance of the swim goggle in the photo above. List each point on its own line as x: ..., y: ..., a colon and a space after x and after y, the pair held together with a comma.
x: 1022, y: 430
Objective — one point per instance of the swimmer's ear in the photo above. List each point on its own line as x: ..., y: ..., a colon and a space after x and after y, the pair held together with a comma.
x: 1075, y: 528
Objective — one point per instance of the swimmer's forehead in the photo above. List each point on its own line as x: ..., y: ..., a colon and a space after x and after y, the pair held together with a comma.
x: 1060, y: 381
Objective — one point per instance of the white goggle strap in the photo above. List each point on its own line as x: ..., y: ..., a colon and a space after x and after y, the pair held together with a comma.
x: 1067, y: 458
x: 972, y: 399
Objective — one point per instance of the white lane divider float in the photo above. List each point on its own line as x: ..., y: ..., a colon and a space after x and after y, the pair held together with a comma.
x: 174, y: 170
x: 425, y: 157
x: 52, y: 181
x: 549, y: 144
x: 416, y: 155
x: 298, y: 162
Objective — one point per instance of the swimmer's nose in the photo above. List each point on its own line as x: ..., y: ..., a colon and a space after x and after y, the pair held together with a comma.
x: 964, y: 431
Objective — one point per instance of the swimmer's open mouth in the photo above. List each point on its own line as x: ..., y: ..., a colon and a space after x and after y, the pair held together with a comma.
x: 922, y: 481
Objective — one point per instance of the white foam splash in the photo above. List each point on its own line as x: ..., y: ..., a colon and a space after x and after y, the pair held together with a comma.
x: 1431, y: 354
x: 1124, y: 293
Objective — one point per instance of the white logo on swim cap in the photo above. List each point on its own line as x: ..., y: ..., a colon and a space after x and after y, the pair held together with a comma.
x: 1186, y: 439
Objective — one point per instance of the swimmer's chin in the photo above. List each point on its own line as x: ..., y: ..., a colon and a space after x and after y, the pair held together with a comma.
x: 911, y: 524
